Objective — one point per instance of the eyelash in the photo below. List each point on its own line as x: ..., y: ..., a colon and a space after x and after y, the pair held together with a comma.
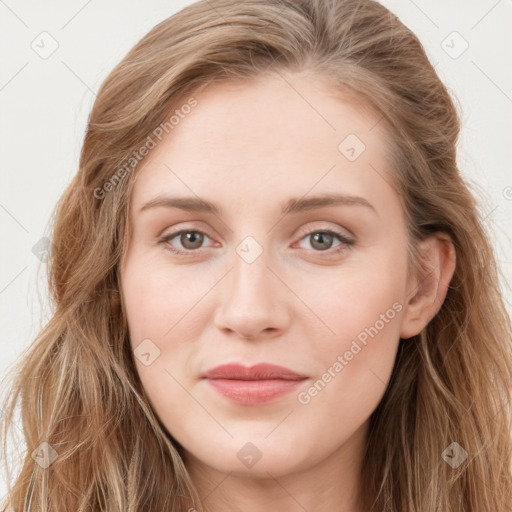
x: 345, y: 242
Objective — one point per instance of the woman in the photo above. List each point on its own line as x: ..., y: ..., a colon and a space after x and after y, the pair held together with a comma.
x: 272, y: 287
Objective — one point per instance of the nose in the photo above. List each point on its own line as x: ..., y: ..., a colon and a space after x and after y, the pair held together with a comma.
x: 254, y: 301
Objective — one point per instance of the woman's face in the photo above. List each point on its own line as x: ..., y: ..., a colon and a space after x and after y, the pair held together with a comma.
x: 260, y: 281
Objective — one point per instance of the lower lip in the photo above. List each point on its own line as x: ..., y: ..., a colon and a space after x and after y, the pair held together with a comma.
x: 254, y: 392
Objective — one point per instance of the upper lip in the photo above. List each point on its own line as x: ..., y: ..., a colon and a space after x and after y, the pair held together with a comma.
x: 262, y: 371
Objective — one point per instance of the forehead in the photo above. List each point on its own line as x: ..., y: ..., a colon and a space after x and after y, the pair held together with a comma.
x: 278, y: 135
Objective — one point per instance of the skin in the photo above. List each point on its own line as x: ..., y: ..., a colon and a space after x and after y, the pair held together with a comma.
x: 250, y: 147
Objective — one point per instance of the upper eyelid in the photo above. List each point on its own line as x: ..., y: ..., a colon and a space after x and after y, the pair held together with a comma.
x: 303, y: 233
x: 308, y: 231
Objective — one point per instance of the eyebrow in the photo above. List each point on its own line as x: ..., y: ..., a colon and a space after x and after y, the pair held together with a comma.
x: 293, y: 205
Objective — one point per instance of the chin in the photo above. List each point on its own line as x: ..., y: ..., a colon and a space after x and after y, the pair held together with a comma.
x: 254, y: 456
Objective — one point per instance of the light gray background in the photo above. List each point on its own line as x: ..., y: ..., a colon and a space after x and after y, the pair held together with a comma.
x: 45, y: 102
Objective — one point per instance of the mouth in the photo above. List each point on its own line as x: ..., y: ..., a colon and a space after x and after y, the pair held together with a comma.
x: 261, y: 383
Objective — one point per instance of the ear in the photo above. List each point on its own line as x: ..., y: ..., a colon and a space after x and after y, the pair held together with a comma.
x: 427, y: 290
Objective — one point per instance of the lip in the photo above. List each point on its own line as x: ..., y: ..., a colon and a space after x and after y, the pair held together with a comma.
x: 253, y: 385
x: 262, y: 371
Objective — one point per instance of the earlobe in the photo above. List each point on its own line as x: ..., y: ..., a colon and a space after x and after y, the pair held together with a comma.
x: 428, y: 289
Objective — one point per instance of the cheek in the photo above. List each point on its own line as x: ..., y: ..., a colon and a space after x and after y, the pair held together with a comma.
x: 361, y: 303
x: 363, y: 310
x: 165, y: 314
x: 156, y: 302
x: 158, y: 297
x: 357, y: 299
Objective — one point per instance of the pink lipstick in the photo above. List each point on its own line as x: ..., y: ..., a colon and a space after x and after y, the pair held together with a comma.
x: 255, y: 385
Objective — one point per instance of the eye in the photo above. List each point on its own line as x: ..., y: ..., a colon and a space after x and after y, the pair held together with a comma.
x: 321, y: 240
x: 191, y: 240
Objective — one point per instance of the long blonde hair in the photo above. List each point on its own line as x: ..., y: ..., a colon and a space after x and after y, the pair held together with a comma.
x: 77, y: 386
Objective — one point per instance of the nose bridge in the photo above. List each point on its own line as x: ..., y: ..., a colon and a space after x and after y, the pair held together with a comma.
x: 251, y: 299
x: 250, y: 279
x: 250, y: 272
